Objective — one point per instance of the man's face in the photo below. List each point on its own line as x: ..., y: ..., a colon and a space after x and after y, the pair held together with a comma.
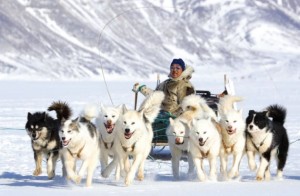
x: 175, y: 70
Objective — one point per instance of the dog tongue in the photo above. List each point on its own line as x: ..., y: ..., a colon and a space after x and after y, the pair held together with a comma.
x: 127, y: 135
x: 109, y: 127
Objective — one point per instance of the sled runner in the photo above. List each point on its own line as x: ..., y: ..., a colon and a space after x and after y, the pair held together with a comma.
x: 162, y: 120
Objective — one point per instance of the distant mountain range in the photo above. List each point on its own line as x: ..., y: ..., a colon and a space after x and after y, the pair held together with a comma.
x: 75, y: 39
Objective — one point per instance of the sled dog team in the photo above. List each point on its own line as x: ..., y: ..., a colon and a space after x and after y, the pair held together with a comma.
x: 119, y: 133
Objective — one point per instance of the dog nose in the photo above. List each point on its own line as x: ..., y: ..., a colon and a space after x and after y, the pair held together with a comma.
x: 250, y: 126
x: 63, y: 138
x: 109, y: 122
x: 127, y: 130
x: 229, y: 127
x: 201, y: 139
x: 34, y: 135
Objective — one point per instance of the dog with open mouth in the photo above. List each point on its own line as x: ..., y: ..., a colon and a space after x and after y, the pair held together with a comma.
x: 43, y: 131
x: 267, y: 137
x: 80, y: 141
x: 106, y: 125
x: 134, y: 138
x: 205, y: 142
x: 179, y: 130
x: 233, y: 135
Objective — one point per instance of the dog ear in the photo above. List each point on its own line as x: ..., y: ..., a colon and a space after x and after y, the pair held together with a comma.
x: 44, y: 115
x: 194, y: 121
x: 29, y: 115
x: 124, y: 109
x: 265, y: 113
x: 120, y: 108
x: 251, y: 112
x: 101, y: 107
x: 240, y: 111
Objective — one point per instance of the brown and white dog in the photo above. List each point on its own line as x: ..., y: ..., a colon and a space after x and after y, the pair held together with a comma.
x: 43, y: 131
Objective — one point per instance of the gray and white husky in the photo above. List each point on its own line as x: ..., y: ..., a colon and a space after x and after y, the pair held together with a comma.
x: 80, y: 141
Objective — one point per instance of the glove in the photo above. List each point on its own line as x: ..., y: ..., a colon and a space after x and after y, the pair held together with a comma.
x: 137, y: 87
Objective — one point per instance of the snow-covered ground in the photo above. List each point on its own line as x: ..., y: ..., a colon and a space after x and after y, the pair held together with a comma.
x: 17, y: 164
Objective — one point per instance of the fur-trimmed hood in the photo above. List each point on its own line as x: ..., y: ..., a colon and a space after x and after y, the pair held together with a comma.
x: 186, y: 74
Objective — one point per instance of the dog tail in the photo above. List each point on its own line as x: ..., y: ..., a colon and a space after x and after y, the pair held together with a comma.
x: 151, y: 105
x: 62, y: 109
x: 90, y: 112
x: 277, y: 112
x: 198, y: 105
x: 226, y: 103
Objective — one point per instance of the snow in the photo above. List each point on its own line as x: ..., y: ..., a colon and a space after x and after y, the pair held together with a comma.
x: 17, y: 164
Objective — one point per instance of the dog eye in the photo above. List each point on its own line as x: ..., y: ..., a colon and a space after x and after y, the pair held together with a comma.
x: 69, y: 131
x: 204, y: 132
x: 174, y: 133
x: 181, y: 132
x: 226, y: 121
x: 113, y: 116
x: 197, y: 133
x: 124, y: 122
x: 132, y: 123
x: 234, y: 121
x: 105, y: 116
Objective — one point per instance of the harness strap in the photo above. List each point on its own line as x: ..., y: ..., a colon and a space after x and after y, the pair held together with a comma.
x: 129, y: 149
x: 76, y: 154
x: 261, y: 143
x: 203, y: 154
x: 106, y: 143
x: 228, y: 147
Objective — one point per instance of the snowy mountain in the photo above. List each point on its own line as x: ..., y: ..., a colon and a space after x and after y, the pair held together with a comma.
x: 73, y: 39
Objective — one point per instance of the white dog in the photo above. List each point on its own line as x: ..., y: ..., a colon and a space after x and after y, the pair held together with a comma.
x: 80, y: 141
x: 233, y: 135
x: 106, y: 124
x: 179, y: 129
x: 205, y: 142
x: 135, y: 137
x: 178, y: 134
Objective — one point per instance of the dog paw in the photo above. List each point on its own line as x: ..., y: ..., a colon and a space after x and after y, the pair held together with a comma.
x: 128, y: 181
x: 202, y: 178
x: 140, y: 176
x: 77, y: 179
x: 37, y: 172
x: 104, y: 174
x: 233, y: 174
x: 259, y: 178
x: 51, y: 175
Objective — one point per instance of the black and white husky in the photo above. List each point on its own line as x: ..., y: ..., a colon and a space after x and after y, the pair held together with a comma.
x: 80, y: 141
x: 267, y: 136
x: 43, y: 131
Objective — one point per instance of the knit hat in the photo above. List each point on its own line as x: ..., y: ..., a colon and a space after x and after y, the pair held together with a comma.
x: 179, y: 62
